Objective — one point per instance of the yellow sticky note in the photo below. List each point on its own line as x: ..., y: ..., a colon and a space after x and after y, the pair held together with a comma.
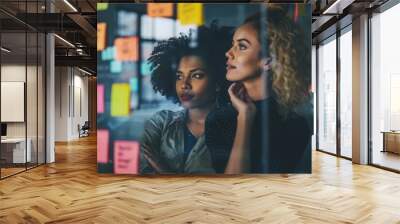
x: 160, y: 9
x: 101, y: 36
x: 190, y: 13
x: 102, y: 6
x: 120, y: 98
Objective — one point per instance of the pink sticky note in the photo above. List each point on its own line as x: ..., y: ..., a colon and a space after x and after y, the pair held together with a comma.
x: 102, y: 146
x: 126, y: 157
x: 100, y: 98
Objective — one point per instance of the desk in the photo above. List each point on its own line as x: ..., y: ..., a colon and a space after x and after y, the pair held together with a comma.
x: 391, y: 141
x: 16, y: 148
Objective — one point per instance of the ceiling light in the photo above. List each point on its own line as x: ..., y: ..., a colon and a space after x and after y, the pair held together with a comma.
x: 70, y: 5
x: 337, y: 7
x: 84, y: 71
x: 5, y: 50
x: 65, y: 41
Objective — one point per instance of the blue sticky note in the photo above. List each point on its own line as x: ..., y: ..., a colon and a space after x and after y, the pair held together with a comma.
x: 116, y: 66
x: 134, y: 84
x: 108, y: 54
x: 145, y: 68
x: 131, y: 67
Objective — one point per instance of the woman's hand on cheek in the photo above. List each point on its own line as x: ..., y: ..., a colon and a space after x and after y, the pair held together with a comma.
x: 241, y: 101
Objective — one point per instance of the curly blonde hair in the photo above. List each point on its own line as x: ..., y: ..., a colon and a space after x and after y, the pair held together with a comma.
x: 290, y: 74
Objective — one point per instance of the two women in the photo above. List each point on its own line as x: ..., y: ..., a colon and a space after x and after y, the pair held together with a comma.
x: 194, y: 77
x: 259, y: 132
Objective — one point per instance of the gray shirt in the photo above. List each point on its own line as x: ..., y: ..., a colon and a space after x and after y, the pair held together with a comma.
x: 163, y: 141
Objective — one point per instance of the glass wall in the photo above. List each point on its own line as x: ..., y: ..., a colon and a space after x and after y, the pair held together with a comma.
x: 22, y: 90
x: 346, y: 92
x: 385, y: 89
x: 313, y: 90
x: 327, y: 95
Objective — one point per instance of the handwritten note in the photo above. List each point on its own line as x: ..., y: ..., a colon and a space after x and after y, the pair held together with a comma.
x: 120, y: 93
x: 160, y: 9
x: 102, y: 145
x: 126, y: 157
x: 100, y: 98
x: 101, y: 36
x: 190, y: 13
x: 127, y: 48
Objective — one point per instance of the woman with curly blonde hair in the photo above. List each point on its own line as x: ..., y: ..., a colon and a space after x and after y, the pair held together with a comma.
x: 260, y: 132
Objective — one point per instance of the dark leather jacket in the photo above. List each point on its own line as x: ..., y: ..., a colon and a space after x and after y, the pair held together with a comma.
x: 163, y: 140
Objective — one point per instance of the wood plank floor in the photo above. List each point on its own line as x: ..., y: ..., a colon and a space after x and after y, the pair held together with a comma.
x: 70, y: 191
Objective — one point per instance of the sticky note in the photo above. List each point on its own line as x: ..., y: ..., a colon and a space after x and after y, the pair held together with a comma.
x: 127, y: 23
x: 101, y: 36
x: 100, y: 98
x: 108, y: 54
x: 102, y: 145
x: 134, y: 84
x: 102, y: 6
x: 126, y: 48
x: 130, y: 67
x: 145, y: 68
x: 134, y: 100
x: 116, y: 66
x: 146, y: 27
x: 126, y: 157
x: 160, y: 9
x: 120, y: 99
x: 190, y: 13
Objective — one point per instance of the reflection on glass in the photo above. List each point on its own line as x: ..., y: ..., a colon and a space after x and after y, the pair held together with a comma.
x: 327, y: 96
x: 385, y: 87
x: 313, y: 89
x: 31, y: 101
x: 41, y: 99
x: 346, y: 94
x: 14, y: 150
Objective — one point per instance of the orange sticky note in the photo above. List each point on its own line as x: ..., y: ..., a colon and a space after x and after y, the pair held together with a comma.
x: 127, y: 48
x: 160, y: 9
x: 190, y: 13
x: 126, y: 157
x: 101, y: 36
x: 100, y: 98
x: 120, y: 98
x: 102, y: 145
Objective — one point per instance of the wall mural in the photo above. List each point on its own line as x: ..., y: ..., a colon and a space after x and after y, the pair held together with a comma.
x: 204, y: 88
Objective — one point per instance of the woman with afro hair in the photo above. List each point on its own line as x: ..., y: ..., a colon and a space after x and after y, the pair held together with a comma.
x: 191, y: 73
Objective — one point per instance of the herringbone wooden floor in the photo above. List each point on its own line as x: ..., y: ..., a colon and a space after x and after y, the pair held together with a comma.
x: 70, y: 191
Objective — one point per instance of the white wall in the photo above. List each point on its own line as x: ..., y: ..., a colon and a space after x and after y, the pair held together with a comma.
x: 13, y: 73
x: 71, y: 93
x: 33, y: 127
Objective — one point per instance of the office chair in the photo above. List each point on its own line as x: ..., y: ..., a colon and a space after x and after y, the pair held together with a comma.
x: 84, y: 130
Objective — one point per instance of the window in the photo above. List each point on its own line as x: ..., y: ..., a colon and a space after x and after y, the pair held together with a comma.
x: 327, y: 96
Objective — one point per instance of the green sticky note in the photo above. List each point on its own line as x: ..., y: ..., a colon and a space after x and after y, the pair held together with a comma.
x: 102, y: 6
x: 120, y: 93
